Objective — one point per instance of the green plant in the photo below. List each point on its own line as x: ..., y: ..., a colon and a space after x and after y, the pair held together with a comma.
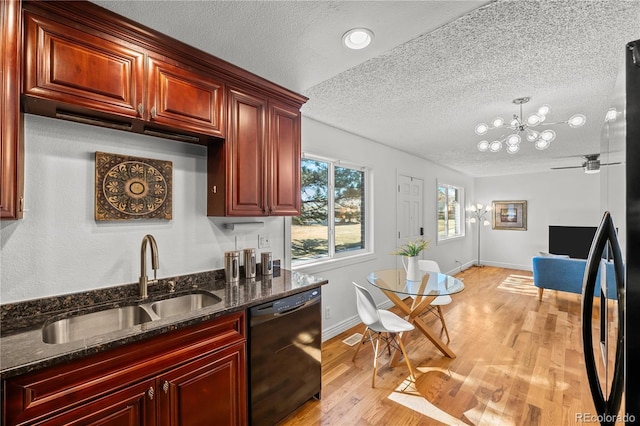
x: 412, y: 248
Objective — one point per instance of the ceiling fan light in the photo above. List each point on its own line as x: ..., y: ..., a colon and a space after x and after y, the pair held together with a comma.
x: 548, y: 135
x: 512, y: 149
x: 357, y: 38
x: 498, y: 122
x: 481, y: 129
x: 534, y: 120
x: 483, y: 146
x: 513, y: 139
x: 577, y: 120
x: 495, y: 146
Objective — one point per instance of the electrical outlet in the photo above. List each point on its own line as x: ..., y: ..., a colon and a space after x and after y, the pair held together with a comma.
x: 264, y: 241
x: 327, y: 312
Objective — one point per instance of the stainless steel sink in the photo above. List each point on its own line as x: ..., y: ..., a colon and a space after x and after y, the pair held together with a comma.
x: 93, y: 324
x: 183, y: 304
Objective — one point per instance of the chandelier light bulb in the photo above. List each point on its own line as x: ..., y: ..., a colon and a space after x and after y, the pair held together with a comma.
x: 541, y: 144
x: 512, y: 149
x: 472, y: 208
x: 611, y: 115
x: 534, y: 120
x: 544, y: 110
x: 498, y: 122
x: 495, y: 146
x: 483, y: 146
x: 577, y: 120
x: 513, y: 139
x: 481, y: 129
x: 548, y: 135
x: 514, y: 123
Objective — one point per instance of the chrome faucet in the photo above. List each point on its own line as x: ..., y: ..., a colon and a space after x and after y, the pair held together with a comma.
x: 144, y: 281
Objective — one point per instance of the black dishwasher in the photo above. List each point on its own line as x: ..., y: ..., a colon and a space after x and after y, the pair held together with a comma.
x: 285, y: 364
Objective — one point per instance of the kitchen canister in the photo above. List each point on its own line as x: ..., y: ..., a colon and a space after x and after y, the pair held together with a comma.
x: 250, y: 262
x: 232, y: 266
x: 266, y: 263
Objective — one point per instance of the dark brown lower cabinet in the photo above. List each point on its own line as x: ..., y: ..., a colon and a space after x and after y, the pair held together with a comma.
x: 193, y: 376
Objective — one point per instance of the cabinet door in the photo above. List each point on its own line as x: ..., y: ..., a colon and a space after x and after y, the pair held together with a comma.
x: 183, y: 98
x: 245, y: 152
x: 11, y: 145
x: 284, y: 160
x: 133, y: 406
x: 73, y: 67
x: 211, y: 390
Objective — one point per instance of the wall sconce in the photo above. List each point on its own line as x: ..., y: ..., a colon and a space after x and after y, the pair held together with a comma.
x: 479, y: 215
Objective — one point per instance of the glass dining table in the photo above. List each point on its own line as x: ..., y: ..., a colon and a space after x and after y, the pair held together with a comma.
x: 394, y: 284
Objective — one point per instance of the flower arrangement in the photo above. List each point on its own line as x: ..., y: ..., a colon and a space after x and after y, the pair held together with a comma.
x: 412, y: 248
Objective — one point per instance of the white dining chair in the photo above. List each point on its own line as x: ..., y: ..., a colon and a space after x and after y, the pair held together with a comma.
x: 438, y: 302
x: 380, y: 325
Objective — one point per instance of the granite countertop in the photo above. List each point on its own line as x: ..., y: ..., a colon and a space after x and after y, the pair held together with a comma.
x: 22, y: 349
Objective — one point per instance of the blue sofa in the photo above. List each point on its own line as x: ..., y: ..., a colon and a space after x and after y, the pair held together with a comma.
x: 566, y: 274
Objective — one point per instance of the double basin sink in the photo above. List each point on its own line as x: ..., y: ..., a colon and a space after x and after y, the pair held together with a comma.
x: 79, y: 327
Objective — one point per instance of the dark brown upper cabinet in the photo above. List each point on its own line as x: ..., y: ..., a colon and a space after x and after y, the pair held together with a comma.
x: 85, y: 75
x: 256, y: 171
x: 83, y: 63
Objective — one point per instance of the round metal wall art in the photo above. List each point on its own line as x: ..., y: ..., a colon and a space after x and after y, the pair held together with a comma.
x: 132, y: 188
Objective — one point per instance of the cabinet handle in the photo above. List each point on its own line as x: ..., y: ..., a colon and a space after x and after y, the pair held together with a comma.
x: 150, y: 392
x: 153, y: 112
x: 140, y: 109
x: 165, y: 387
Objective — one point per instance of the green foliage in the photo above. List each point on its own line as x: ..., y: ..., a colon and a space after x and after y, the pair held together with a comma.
x: 412, y: 248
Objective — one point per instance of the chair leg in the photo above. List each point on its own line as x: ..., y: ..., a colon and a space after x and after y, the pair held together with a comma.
x: 406, y: 358
x: 444, y: 325
x: 364, y: 333
x: 375, y: 361
x: 540, y: 290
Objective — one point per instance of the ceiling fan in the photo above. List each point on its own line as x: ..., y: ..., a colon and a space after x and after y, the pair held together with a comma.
x: 591, y: 165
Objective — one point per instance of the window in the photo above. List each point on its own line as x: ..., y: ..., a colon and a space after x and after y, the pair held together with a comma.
x: 450, y: 212
x: 333, y: 222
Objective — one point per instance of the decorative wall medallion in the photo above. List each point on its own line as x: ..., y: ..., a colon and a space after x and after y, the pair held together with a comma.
x: 132, y: 188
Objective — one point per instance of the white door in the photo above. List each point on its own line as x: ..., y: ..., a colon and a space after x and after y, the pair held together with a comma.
x: 409, y: 209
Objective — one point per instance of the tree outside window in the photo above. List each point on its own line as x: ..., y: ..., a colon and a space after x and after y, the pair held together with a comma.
x: 332, y: 221
x: 450, y: 212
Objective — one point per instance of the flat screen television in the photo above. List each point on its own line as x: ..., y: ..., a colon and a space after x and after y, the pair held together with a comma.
x: 574, y: 241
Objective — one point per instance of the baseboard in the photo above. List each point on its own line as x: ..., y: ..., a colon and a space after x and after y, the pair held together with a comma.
x: 508, y: 265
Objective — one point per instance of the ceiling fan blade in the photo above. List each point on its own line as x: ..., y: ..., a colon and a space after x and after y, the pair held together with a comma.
x: 568, y: 167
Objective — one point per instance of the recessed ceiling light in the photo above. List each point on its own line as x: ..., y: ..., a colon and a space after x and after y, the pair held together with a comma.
x: 357, y: 38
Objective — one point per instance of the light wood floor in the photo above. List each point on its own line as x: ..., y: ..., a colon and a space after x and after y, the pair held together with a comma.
x: 519, y: 362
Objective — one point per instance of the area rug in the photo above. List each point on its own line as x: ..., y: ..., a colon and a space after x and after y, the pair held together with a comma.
x: 521, y: 284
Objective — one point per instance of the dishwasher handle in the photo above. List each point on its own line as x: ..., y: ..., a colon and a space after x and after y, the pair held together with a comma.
x: 268, y: 312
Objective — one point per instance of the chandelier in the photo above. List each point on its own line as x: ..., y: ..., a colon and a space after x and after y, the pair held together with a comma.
x: 519, y: 128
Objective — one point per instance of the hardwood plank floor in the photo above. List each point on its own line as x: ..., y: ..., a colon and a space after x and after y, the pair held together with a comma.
x: 519, y: 362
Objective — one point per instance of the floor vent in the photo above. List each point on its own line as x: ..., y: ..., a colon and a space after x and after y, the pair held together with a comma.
x: 353, y: 339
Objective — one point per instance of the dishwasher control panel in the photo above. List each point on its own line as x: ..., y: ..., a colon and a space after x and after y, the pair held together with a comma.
x: 294, y: 301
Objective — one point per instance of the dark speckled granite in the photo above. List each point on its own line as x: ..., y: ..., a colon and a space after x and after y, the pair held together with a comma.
x: 22, y: 349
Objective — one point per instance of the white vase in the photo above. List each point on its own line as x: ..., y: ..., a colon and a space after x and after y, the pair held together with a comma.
x: 411, y: 267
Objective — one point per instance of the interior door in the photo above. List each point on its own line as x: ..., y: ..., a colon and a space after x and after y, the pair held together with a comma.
x: 410, y: 209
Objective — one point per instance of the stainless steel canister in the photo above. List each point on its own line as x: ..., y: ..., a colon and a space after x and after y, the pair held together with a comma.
x: 232, y: 266
x: 266, y: 263
x: 250, y: 262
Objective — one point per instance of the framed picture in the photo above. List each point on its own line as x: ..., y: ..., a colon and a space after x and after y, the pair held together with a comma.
x: 511, y: 215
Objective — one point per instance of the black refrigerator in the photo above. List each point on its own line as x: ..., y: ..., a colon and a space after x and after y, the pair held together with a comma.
x: 611, y: 337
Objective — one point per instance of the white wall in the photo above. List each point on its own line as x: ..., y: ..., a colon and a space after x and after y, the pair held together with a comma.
x: 557, y: 197
x: 386, y: 163
x: 59, y: 248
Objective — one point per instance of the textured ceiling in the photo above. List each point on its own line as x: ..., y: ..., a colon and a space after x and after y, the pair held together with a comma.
x: 434, y: 70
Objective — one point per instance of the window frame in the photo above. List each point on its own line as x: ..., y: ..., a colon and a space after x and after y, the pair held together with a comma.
x: 461, y: 209
x: 347, y: 255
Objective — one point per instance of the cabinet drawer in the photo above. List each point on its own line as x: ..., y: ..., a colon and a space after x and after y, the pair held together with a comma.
x: 66, y: 65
